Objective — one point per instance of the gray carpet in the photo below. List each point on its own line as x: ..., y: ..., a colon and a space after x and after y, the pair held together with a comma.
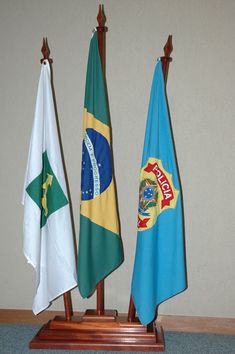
x: 15, y: 338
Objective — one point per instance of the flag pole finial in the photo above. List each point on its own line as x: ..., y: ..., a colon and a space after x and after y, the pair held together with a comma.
x: 166, y: 59
x: 101, y: 29
x: 168, y: 47
x: 101, y: 19
x: 45, y: 51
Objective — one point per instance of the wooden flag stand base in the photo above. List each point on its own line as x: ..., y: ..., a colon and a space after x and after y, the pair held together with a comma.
x: 101, y: 329
x: 92, y: 331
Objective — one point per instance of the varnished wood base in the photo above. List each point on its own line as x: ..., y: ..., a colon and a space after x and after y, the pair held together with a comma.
x: 93, y: 315
x: 217, y: 325
x: 99, y: 333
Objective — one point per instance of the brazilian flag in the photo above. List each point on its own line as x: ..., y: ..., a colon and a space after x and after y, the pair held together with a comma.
x: 100, y: 245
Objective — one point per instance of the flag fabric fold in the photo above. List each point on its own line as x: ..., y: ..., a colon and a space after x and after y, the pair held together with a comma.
x: 48, y: 243
x: 100, y: 247
x: 159, y: 267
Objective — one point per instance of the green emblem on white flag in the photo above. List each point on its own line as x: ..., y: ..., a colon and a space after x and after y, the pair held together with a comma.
x: 46, y: 192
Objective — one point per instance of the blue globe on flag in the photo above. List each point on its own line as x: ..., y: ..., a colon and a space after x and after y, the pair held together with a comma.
x: 96, y: 164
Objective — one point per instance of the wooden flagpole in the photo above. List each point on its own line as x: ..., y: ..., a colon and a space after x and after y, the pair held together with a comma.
x: 67, y: 296
x: 101, y: 29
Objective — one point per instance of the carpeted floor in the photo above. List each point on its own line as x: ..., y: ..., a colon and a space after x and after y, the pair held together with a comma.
x: 15, y: 338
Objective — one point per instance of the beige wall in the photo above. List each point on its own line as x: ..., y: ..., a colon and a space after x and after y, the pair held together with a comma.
x: 202, y: 103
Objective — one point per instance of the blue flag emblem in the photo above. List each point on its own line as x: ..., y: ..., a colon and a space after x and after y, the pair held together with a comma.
x: 96, y: 164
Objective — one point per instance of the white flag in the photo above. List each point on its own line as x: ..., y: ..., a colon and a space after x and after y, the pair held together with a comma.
x: 48, y: 237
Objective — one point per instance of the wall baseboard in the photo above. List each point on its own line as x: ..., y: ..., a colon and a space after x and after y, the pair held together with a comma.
x: 218, y: 325
x: 196, y: 324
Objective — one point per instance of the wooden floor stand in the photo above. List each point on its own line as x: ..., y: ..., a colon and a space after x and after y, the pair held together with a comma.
x: 92, y: 331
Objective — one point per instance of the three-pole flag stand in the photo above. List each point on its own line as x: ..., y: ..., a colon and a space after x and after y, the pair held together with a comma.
x: 101, y: 329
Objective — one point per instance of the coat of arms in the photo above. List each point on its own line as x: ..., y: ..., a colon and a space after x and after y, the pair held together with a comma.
x: 156, y: 194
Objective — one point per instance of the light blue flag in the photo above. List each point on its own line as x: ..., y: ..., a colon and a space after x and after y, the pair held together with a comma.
x: 159, y: 269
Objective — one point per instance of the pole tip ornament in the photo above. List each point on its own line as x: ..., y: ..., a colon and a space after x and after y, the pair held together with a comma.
x: 45, y: 52
x: 101, y: 19
x: 168, y: 49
